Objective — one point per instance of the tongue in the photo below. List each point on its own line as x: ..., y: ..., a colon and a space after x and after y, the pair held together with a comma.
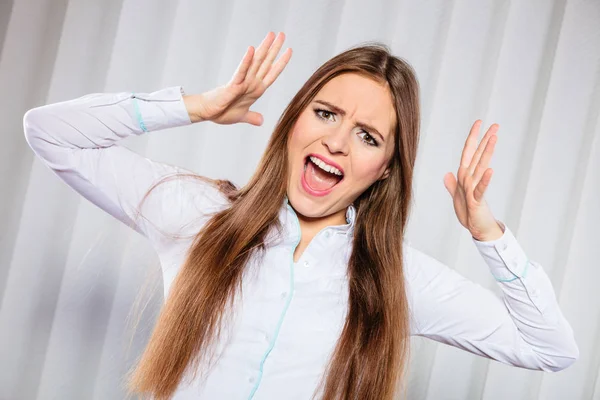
x: 318, y: 179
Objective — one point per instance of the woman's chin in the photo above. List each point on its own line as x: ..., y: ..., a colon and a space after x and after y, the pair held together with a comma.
x: 310, y: 208
x: 304, y: 206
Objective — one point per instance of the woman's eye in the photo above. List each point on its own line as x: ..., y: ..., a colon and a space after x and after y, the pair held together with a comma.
x: 368, y: 139
x: 325, y: 112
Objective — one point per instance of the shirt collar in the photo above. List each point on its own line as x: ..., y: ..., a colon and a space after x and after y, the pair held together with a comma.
x: 351, y: 214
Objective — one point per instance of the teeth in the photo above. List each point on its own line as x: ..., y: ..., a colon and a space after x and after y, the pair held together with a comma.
x: 326, y: 167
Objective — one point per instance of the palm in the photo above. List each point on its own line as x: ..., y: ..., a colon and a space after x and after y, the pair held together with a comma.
x: 474, y: 177
x: 230, y: 103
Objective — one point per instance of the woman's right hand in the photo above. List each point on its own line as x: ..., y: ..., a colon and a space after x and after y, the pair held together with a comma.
x: 230, y: 103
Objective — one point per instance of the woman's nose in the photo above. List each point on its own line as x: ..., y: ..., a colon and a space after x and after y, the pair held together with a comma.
x: 337, y: 141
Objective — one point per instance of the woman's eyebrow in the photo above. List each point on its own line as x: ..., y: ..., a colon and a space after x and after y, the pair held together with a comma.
x: 342, y: 112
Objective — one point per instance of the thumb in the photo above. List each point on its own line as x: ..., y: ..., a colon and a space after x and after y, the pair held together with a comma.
x: 253, y: 118
x: 450, y: 183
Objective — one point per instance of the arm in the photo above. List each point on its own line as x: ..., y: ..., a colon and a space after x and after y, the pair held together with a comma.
x: 525, y: 328
x: 78, y: 140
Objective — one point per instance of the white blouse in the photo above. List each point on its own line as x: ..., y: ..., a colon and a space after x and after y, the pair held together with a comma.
x: 284, y: 326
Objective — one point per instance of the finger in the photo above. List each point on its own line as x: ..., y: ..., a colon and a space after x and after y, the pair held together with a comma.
x: 481, y: 187
x: 485, y: 158
x: 470, y: 145
x: 261, y: 53
x: 240, y: 72
x: 253, y: 118
x: 450, y: 183
x: 273, y: 51
x: 492, y: 130
x: 278, y: 67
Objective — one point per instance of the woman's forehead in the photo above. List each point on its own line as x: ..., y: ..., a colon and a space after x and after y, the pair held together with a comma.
x: 362, y: 99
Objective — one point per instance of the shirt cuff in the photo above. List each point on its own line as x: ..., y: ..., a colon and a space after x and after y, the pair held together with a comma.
x: 161, y: 109
x: 504, y: 256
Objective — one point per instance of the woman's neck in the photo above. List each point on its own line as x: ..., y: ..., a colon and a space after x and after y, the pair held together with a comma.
x: 309, y: 227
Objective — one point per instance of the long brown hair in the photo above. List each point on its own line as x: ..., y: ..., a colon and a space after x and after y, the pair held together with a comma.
x: 371, y: 355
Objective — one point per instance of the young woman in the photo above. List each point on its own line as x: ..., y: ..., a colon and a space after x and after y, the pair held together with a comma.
x: 301, y: 283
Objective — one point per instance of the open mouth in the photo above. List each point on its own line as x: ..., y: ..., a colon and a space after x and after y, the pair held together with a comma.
x: 319, y: 178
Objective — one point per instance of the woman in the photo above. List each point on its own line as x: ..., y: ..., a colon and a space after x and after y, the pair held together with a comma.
x: 301, y: 282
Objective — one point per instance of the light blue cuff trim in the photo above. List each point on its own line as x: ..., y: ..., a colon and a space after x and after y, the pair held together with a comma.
x: 516, y: 276
x: 506, y: 280
x: 138, y: 113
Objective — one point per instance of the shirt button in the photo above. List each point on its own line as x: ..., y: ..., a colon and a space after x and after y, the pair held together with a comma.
x: 283, y: 295
x: 327, y: 233
x: 306, y: 263
x: 266, y: 337
x: 251, y: 379
x: 535, y: 292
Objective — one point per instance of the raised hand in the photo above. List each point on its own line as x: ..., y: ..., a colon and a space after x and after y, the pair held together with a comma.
x: 474, y: 177
x: 230, y: 103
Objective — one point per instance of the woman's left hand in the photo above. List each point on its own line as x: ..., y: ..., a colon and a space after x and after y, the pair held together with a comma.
x: 474, y: 177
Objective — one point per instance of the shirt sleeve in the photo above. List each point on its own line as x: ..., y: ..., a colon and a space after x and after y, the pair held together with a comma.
x: 523, y: 328
x: 78, y: 140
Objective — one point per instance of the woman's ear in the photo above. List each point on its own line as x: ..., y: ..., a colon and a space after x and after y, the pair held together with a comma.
x: 386, y: 173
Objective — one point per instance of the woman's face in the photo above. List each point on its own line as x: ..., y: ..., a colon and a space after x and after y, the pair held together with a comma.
x: 341, y: 144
